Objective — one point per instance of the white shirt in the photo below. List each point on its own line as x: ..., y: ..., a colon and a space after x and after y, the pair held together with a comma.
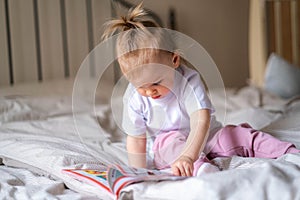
x: 170, y: 113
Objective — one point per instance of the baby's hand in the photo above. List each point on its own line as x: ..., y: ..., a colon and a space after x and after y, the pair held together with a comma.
x: 183, y: 166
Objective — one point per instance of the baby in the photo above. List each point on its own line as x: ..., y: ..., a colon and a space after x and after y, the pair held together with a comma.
x: 166, y: 103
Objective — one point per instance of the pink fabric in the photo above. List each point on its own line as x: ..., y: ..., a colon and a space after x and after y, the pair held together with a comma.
x: 167, y: 148
x: 245, y: 141
x: 231, y: 140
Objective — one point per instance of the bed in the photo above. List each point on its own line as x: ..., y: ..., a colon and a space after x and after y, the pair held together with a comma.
x: 39, y: 138
x: 41, y: 133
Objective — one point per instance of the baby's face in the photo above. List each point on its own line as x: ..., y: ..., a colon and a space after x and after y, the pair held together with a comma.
x: 156, y: 78
x: 157, y: 81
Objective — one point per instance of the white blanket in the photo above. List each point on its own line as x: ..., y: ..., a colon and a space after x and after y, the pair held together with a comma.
x: 241, y: 178
x: 38, y: 137
x: 19, y: 183
x: 46, y: 152
x: 255, y: 179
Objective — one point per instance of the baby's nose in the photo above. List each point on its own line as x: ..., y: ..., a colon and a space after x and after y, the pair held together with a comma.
x: 150, y: 92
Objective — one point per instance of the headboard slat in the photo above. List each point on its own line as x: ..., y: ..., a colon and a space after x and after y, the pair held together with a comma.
x: 297, y: 21
x: 286, y: 27
x: 90, y: 31
x: 8, y: 38
x: 37, y: 39
x: 64, y: 37
x: 282, y: 19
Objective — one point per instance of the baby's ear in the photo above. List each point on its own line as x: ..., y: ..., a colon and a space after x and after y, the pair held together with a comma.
x: 176, y: 60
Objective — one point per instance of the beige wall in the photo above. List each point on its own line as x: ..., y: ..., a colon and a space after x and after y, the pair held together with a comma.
x: 220, y: 26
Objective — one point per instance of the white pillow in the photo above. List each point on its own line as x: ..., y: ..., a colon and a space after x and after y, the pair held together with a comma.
x: 281, y: 77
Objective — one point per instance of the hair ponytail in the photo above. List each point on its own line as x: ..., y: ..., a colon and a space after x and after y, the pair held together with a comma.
x: 136, y: 17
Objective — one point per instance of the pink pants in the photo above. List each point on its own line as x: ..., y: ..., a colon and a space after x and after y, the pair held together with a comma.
x: 231, y: 140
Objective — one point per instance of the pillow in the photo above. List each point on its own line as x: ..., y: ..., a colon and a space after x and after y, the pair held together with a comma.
x: 281, y: 77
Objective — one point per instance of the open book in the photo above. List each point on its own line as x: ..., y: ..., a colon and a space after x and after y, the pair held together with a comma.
x: 117, y: 177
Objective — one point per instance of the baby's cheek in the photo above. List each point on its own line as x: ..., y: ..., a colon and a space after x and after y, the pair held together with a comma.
x: 141, y: 92
x: 165, y: 91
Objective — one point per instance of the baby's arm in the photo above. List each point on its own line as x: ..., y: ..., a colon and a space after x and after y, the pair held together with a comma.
x: 136, y: 149
x: 199, y: 124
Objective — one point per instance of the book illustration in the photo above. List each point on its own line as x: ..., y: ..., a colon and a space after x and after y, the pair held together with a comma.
x: 92, y: 177
x: 115, y: 178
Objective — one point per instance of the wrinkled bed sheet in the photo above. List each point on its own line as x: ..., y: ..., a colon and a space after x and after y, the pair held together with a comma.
x: 45, y: 147
x: 19, y: 183
x: 38, y: 138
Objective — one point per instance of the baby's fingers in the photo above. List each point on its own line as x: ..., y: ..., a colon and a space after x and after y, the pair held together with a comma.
x: 176, y: 171
x: 182, y: 169
x: 188, y: 170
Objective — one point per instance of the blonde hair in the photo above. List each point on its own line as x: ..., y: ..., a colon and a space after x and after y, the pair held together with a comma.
x: 139, y: 38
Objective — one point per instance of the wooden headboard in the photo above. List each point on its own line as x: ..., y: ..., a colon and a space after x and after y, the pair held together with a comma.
x: 274, y: 27
x: 45, y: 40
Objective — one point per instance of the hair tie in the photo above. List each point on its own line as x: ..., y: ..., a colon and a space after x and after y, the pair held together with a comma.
x: 127, y: 23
